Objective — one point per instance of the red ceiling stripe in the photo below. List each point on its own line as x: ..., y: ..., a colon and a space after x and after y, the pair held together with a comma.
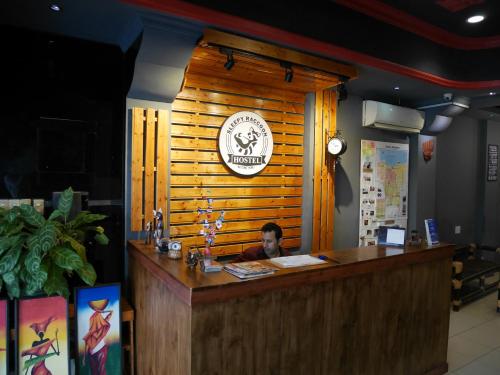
x: 405, y: 21
x: 237, y: 24
x: 457, y: 5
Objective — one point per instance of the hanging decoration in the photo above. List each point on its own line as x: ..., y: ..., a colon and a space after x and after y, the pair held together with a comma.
x: 209, y: 227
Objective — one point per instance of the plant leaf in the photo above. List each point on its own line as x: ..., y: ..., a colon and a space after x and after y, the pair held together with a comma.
x: 9, y: 277
x: 9, y: 260
x: 13, y: 289
x: 6, y: 243
x: 101, y: 239
x: 65, y: 202
x: 23, y: 275
x: 66, y: 258
x: 33, y: 259
x: 87, y: 274
x: 35, y: 281
x: 56, y: 283
x: 14, y: 228
x: 45, y: 238
x: 77, y: 246
x: 85, y: 217
x: 55, y: 214
x: 12, y: 214
x: 31, y: 216
x: 12, y: 284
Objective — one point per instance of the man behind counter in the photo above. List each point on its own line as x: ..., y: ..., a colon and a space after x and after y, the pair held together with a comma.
x: 272, y: 237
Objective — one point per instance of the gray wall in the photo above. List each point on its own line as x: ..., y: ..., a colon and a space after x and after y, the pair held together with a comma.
x: 458, y: 189
x: 346, y: 221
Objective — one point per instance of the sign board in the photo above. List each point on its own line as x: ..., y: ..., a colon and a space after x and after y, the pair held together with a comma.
x: 492, y: 162
x: 246, y: 143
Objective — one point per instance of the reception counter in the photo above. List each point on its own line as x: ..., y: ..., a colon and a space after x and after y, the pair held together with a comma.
x: 368, y: 310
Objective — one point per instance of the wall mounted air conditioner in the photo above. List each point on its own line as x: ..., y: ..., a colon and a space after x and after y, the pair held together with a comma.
x: 392, y: 117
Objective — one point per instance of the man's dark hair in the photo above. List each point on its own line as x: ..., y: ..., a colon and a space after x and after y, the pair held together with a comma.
x: 273, y: 227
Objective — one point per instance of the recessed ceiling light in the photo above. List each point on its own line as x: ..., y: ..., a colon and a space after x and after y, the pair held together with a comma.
x: 475, y: 19
x: 492, y: 93
x: 396, y: 88
x: 55, y: 7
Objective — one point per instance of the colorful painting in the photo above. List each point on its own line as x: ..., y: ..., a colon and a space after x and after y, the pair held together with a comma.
x: 98, y: 318
x: 42, y: 336
x: 4, y: 332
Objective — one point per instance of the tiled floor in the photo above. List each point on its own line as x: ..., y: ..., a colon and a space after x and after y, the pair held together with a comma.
x: 474, y: 344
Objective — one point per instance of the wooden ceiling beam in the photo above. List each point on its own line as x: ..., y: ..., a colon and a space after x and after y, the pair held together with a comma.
x: 219, y: 38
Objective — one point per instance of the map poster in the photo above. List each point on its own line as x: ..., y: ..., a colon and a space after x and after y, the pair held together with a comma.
x: 383, y: 188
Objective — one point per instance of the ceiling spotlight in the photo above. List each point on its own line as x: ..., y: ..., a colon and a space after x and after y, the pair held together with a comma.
x: 55, y: 7
x: 229, y: 62
x: 396, y: 88
x: 475, y: 19
x: 288, y: 71
x: 229, y: 58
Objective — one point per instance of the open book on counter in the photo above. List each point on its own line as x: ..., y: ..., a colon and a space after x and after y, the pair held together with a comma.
x: 296, y: 261
x: 246, y: 270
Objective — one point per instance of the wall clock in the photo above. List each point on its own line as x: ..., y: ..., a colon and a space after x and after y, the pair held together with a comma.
x: 337, y: 145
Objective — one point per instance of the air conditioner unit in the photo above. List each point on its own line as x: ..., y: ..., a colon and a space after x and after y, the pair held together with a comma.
x: 392, y: 117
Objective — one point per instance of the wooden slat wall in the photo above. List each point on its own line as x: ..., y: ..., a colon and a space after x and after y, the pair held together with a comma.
x: 197, y: 170
x: 324, y: 177
x: 149, y: 165
x: 210, y: 94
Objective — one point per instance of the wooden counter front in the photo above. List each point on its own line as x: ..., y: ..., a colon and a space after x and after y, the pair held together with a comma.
x: 364, y: 312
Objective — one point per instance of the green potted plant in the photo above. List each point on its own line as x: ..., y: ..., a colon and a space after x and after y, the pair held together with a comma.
x: 36, y: 254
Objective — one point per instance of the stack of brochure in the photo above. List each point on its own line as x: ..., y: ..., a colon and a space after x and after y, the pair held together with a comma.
x: 247, y: 270
x: 210, y: 265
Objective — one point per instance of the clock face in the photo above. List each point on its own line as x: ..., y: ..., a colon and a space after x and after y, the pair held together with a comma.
x: 335, y: 146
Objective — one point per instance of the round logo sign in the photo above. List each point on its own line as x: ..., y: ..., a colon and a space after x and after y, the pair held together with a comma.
x: 246, y: 143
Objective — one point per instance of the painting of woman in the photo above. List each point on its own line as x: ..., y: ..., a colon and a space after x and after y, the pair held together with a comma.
x: 98, y: 330
x: 42, y: 336
x: 39, y: 350
x: 95, y: 345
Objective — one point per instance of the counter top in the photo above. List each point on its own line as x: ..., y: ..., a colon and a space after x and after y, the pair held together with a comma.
x: 196, y: 287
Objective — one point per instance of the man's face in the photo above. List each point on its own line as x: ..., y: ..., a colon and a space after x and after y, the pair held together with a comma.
x: 270, y: 244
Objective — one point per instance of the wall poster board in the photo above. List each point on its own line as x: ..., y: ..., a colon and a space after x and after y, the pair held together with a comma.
x: 383, y: 188
x: 492, y: 163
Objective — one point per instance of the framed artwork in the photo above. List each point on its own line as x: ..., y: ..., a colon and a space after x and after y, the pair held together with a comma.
x: 98, y: 330
x: 4, y: 337
x: 42, y: 336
